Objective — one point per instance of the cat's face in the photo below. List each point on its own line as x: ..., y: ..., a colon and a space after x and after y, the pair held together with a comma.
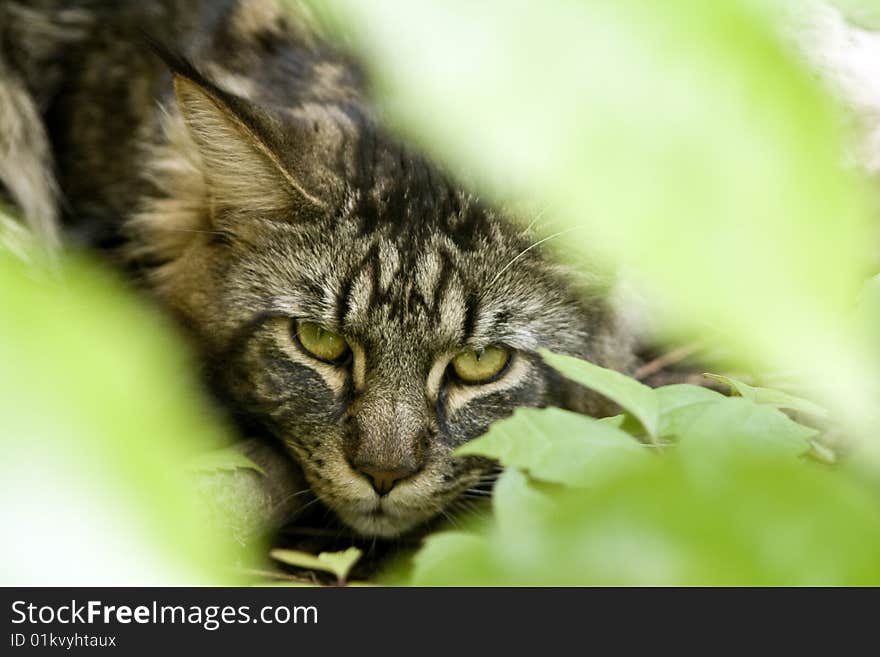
x: 374, y: 355
x: 373, y: 326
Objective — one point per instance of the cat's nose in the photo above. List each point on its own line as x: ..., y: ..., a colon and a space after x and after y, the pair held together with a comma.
x: 384, y: 479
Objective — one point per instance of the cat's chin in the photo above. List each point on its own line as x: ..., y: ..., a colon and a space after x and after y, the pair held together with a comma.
x: 380, y: 523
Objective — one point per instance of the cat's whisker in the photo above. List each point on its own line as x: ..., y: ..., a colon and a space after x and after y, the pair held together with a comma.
x: 287, y: 498
x: 471, y: 507
x: 448, y: 517
x: 327, y: 513
x: 308, y: 504
x: 533, y: 223
x: 478, y: 492
x: 193, y: 230
x: 527, y: 249
x: 495, y: 473
x: 475, y: 507
x: 298, y: 493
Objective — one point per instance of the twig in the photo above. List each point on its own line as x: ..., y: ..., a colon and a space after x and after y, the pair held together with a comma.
x: 667, y: 359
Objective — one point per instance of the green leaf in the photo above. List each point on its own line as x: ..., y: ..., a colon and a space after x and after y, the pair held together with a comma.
x: 673, y: 398
x: 631, y: 395
x: 748, y: 522
x: 616, y: 421
x: 558, y: 446
x: 735, y: 423
x: 98, y: 396
x: 519, y: 511
x: 228, y: 458
x: 745, y: 521
x: 770, y: 396
x: 335, y: 563
x: 516, y: 502
x: 340, y: 563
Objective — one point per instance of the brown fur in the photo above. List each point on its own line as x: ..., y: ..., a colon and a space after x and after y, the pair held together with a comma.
x: 246, y: 183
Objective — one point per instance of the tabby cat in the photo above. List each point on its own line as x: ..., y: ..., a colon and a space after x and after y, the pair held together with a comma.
x: 345, y: 295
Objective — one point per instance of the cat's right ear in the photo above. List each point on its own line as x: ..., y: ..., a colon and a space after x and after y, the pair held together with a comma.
x: 239, y: 146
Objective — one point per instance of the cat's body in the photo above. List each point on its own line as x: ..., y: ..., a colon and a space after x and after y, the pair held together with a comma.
x: 254, y: 195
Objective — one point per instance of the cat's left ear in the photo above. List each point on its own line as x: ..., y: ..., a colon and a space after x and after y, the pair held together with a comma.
x: 242, y: 148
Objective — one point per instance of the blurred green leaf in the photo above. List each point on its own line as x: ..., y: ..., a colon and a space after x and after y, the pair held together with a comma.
x: 862, y: 13
x: 518, y: 505
x: 520, y: 510
x: 558, y: 446
x: 631, y: 395
x: 455, y: 559
x: 744, y: 521
x: 100, y: 411
x: 616, y: 421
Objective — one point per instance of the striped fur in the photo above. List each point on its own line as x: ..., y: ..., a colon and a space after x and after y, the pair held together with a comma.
x: 247, y: 184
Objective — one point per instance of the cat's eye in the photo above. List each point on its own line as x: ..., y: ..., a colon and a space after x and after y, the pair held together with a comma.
x: 480, y: 365
x: 321, y: 343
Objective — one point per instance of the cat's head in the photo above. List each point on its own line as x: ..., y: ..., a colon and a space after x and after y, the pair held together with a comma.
x: 367, y: 311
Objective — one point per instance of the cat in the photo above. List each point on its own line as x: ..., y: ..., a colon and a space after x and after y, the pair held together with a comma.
x: 345, y: 295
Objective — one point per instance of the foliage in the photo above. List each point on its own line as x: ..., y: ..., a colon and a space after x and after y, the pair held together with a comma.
x: 558, y: 446
x: 683, y: 140
x: 335, y: 563
x: 98, y: 414
x: 725, y: 501
x: 771, y: 396
x: 864, y: 13
x: 738, y: 521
